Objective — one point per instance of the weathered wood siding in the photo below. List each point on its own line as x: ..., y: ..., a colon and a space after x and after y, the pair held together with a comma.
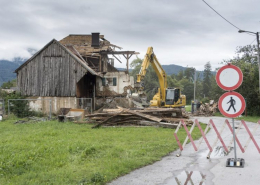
x: 53, y: 72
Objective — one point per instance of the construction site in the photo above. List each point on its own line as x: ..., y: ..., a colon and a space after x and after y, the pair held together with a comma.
x: 76, y: 80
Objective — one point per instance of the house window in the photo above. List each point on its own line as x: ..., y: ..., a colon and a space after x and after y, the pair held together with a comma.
x: 109, y: 81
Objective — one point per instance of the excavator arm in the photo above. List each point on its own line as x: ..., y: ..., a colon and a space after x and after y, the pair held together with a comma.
x: 150, y: 58
x: 166, y: 96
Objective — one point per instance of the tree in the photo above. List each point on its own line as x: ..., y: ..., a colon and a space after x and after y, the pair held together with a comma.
x: 247, y: 61
x: 189, y: 73
x: 9, y: 84
x: 151, y: 82
x: 180, y: 75
x: 216, y: 91
x: 187, y: 88
x: 206, y: 83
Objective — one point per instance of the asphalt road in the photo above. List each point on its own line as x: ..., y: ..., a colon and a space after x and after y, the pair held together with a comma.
x: 176, y: 170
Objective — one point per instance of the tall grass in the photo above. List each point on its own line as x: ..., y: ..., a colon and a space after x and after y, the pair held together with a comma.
x: 67, y: 153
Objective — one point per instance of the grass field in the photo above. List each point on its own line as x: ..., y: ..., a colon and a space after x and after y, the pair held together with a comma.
x: 188, y: 108
x: 68, y: 153
x: 245, y: 118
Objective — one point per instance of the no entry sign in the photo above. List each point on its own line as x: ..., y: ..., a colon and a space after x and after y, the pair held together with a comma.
x: 229, y: 77
x: 231, y: 104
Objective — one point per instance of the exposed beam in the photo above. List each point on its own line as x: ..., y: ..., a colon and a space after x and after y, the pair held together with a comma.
x: 119, y: 52
x: 116, y: 58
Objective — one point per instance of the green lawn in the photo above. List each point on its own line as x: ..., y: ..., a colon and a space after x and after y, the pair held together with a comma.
x: 188, y: 108
x: 68, y: 153
x: 250, y: 118
x: 245, y: 118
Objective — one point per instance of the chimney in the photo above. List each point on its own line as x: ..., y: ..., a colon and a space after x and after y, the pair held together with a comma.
x: 95, y: 40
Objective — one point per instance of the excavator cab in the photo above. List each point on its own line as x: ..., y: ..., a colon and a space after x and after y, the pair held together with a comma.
x: 172, y: 96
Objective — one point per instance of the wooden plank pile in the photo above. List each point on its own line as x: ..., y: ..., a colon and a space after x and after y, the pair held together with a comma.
x: 146, y: 117
x: 208, y: 109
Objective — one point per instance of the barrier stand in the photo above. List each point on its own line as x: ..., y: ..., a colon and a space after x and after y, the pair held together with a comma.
x: 248, y: 131
x: 206, y: 130
x: 203, y: 135
x: 189, y: 136
x: 231, y: 141
x: 251, y: 137
x: 237, y: 162
x: 231, y: 162
x: 234, y: 161
x: 218, y: 137
x: 176, y: 137
x: 235, y: 138
x: 241, y: 162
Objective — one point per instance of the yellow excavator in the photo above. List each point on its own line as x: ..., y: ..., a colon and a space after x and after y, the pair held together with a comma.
x: 166, y: 96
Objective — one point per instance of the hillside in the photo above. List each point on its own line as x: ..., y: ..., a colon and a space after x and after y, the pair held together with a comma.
x: 7, y: 69
x: 169, y: 69
x: 173, y: 69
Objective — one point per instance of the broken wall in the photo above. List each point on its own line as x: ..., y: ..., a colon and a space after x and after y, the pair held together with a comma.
x: 114, y: 84
x: 42, y: 104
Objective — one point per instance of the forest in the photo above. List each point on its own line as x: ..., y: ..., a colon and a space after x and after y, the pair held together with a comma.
x: 206, y: 87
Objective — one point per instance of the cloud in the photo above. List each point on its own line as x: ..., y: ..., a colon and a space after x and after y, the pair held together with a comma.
x: 186, y: 33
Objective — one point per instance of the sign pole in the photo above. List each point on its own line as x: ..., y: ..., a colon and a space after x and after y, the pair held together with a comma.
x: 231, y: 104
x: 234, y: 137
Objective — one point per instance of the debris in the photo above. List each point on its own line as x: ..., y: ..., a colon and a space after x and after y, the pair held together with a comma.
x: 207, y: 109
x: 75, y: 115
x: 141, y: 117
x: 64, y: 111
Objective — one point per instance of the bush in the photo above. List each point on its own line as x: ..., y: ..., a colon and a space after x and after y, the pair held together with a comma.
x: 18, y: 108
x: 205, y: 100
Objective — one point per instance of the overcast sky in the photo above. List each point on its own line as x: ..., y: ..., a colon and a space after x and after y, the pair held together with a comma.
x: 182, y: 32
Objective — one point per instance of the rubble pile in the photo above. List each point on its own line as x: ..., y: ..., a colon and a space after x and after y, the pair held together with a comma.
x: 208, y: 109
x: 162, y: 117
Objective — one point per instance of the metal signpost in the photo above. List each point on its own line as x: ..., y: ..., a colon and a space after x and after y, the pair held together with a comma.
x: 231, y: 104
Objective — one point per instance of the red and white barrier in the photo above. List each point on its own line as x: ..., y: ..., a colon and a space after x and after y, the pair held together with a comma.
x: 218, y: 136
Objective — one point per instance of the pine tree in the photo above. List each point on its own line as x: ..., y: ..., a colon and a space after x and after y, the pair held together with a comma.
x: 206, y: 83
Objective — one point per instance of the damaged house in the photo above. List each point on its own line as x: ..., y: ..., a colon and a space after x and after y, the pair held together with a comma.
x: 75, y: 68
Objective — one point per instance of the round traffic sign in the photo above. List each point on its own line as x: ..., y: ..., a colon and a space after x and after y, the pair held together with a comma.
x: 229, y: 77
x: 231, y: 104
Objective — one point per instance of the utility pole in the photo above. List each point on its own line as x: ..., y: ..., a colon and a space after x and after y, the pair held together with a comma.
x: 258, y: 50
x: 258, y: 56
x: 194, y: 88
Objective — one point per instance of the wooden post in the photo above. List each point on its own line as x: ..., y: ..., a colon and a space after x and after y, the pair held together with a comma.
x: 127, y: 60
x: 100, y: 64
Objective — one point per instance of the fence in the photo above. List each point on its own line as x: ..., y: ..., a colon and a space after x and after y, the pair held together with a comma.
x: 218, y: 136
x: 2, y: 107
x: 30, y: 107
x: 43, y: 107
x: 85, y: 103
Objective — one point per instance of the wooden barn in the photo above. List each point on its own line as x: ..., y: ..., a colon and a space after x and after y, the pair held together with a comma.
x: 76, y: 67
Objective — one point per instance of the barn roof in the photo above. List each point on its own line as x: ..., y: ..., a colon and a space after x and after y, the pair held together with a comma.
x: 82, y: 43
x: 76, y: 57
